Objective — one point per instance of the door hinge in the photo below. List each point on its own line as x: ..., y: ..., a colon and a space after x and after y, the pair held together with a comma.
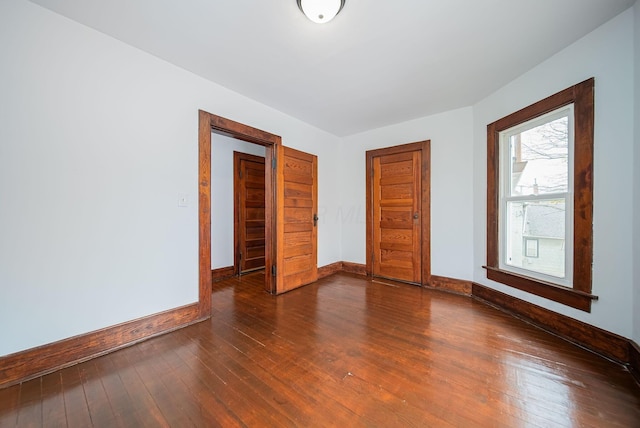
x: 273, y: 270
x: 240, y: 256
x: 273, y: 163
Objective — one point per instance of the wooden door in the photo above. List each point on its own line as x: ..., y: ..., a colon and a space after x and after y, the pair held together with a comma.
x: 249, y: 209
x: 297, y: 219
x: 398, y: 209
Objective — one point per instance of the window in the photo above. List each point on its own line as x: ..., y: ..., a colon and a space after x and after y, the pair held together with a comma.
x: 539, y: 197
x: 531, y: 247
x: 535, y: 197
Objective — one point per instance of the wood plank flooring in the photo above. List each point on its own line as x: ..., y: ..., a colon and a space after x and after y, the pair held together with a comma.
x: 343, y: 352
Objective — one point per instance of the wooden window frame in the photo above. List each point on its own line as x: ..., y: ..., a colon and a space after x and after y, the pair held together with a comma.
x: 579, y: 296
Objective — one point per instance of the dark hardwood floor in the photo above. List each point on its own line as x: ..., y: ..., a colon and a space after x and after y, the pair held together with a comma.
x: 344, y: 352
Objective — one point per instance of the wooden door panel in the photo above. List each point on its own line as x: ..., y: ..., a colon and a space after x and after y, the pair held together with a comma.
x: 395, y: 272
x: 396, y: 192
x: 298, y: 191
x: 299, y: 164
x: 299, y: 250
x: 297, y: 264
x: 396, y: 195
x: 254, y: 214
x: 254, y: 248
x: 249, y: 185
x: 301, y: 203
x: 402, y: 258
x: 397, y: 157
x: 396, y: 236
x: 297, y: 215
x: 297, y: 206
x: 254, y: 232
x: 395, y: 218
x: 254, y: 179
x: 255, y: 195
x: 292, y: 227
x: 297, y: 237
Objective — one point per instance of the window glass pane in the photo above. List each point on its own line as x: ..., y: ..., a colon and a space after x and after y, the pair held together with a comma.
x: 540, y: 159
x: 535, y: 236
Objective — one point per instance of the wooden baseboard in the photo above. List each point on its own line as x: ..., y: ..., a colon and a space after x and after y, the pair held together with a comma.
x: 357, y: 268
x: 458, y: 286
x: 336, y: 267
x: 35, y: 362
x: 222, y: 273
x: 605, y: 343
x: 634, y: 360
x: 327, y: 270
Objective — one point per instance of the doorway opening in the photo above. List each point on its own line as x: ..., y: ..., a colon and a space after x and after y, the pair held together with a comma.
x: 208, y: 124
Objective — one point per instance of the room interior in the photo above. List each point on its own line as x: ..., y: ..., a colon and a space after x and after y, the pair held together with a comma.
x: 101, y: 134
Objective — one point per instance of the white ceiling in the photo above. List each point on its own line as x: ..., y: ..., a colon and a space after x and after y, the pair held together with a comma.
x: 377, y: 63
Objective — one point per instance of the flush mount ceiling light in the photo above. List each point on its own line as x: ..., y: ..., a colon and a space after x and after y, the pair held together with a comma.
x: 321, y: 11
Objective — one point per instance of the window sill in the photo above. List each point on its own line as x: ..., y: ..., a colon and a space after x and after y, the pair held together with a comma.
x: 566, y: 296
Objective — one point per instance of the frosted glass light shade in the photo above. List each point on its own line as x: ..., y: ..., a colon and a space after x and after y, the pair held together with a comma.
x: 320, y: 11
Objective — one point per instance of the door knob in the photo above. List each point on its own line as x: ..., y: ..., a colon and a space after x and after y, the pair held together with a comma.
x: 315, y: 219
x: 415, y: 216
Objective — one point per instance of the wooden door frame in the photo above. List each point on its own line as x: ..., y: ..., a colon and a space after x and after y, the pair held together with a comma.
x: 238, y: 157
x: 209, y: 123
x: 425, y: 202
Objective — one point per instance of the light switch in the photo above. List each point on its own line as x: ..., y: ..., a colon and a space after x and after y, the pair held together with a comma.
x: 183, y: 200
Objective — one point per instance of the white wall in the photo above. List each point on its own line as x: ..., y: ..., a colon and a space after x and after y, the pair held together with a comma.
x: 222, y: 224
x: 607, y: 55
x: 451, y: 186
x: 636, y: 180
x: 97, y: 140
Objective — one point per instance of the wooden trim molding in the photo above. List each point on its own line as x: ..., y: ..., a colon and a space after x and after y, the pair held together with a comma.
x: 204, y: 213
x: 349, y: 267
x: 356, y: 268
x: 35, y: 362
x: 325, y: 271
x: 567, y: 296
x: 240, y: 131
x: 458, y: 286
x: 634, y: 360
x: 600, y: 341
x: 222, y: 273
